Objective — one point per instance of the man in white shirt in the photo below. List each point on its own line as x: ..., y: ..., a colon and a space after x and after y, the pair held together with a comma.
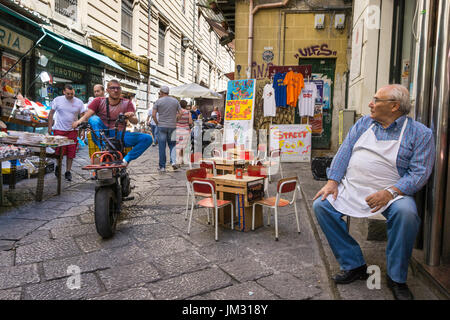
x: 152, y: 124
x: 67, y: 108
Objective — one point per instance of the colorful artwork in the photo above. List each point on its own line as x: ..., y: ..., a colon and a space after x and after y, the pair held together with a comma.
x: 293, y: 140
x: 239, y: 110
x: 240, y: 89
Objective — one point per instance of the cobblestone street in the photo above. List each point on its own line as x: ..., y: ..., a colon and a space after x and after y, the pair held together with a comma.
x: 151, y: 256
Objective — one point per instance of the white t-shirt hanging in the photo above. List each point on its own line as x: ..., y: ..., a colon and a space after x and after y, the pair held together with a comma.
x: 307, y: 99
x: 270, y: 108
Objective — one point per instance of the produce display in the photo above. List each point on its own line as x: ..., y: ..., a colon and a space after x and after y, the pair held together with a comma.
x: 13, y: 151
x: 19, y: 137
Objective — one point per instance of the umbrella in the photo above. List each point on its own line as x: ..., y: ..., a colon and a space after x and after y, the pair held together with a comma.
x: 193, y: 90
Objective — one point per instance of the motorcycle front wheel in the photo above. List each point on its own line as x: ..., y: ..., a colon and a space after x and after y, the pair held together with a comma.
x: 105, y: 212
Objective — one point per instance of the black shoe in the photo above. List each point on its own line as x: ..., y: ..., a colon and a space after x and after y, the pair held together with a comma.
x: 399, y: 290
x: 56, y: 171
x: 348, y: 276
x: 175, y: 167
x: 68, y: 176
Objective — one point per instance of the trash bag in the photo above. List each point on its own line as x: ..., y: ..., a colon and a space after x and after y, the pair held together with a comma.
x: 319, y: 167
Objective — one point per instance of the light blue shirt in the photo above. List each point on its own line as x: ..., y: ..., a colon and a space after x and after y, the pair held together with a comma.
x: 415, y: 157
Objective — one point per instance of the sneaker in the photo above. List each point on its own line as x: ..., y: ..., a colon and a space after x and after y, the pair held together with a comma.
x: 124, y: 162
x: 162, y: 170
x: 175, y: 167
x: 68, y: 176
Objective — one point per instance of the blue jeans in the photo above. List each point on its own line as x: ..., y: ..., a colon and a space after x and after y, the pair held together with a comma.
x: 166, y: 135
x: 154, y: 132
x: 402, y: 228
x: 139, y: 141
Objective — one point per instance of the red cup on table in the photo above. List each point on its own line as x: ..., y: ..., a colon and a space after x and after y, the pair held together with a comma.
x: 247, y: 155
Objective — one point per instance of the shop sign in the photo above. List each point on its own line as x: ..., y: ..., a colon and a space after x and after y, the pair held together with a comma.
x: 14, y: 41
x: 294, y: 140
x: 96, y: 70
x: 59, y: 71
x: 62, y: 62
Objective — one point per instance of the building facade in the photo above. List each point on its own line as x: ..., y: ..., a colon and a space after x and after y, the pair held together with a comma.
x: 154, y: 43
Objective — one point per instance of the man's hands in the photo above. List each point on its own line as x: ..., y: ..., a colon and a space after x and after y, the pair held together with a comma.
x: 75, y: 124
x: 378, y: 200
x: 128, y: 114
x: 330, y: 188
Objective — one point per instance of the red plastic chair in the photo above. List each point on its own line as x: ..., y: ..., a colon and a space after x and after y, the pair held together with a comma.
x: 209, y: 165
x: 205, y: 186
x: 284, y: 186
x: 190, y: 176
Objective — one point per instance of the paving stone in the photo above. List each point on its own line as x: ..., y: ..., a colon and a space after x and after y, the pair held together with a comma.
x: 46, y: 250
x: 93, y: 242
x: 15, y: 276
x: 87, y: 262
x: 15, y: 229
x: 39, y: 214
x: 191, y: 284
x: 180, y: 263
x: 87, y: 218
x: 6, y: 258
x: 224, y: 252
x: 129, y: 275
x: 75, y: 211
x: 126, y: 222
x: 288, y: 287
x: 6, y: 245
x: 73, y: 196
x: 165, y: 246
x: 246, y: 269
x: 11, y: 294
x: 129, y: 294
x: 35, y: 236
x: 242, y: 291
x: 61, y: 223
x: 150, y: 231
x: 60, y: 290
x: 126, y: 255
x: 74, y: 231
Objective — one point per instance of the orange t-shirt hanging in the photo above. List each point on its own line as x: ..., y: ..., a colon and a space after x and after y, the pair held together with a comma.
x: 294, y: 85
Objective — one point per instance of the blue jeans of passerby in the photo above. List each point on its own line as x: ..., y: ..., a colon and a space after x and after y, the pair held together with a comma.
x: 166, y: 135
x: 139, y: 141
x: 154, y: 132
x: 403, y: 225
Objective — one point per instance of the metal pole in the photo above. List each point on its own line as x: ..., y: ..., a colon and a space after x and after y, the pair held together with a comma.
x: 439, y: 124
x: 149, y: 81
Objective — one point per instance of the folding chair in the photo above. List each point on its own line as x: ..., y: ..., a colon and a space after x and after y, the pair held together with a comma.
x: 205, y: 186
x: 284, y: 186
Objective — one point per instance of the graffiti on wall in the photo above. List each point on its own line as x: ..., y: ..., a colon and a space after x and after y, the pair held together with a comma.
x: 316, y: 50
x: 260, y: 71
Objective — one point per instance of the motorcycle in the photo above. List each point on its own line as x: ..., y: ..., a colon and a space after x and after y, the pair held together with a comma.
x: 112, y: 179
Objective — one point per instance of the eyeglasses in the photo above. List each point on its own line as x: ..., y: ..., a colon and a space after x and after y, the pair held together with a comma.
x: 376, y: 100
x: 115, y: 88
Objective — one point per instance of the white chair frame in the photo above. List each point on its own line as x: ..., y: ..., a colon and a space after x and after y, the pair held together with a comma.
x: 275, y: 207
x: 216, y: 207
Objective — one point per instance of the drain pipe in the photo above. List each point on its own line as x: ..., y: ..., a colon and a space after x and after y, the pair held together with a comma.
x: 252, y: 12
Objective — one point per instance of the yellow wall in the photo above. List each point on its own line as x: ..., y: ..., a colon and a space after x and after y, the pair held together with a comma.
x: 287, y: 32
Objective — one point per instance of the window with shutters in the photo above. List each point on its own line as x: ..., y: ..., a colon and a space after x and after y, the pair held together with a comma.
x: 161, y: 43
x: 67, y: 8
x: 127, y: 23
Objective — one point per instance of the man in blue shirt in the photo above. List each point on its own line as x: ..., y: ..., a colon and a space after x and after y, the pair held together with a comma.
x: 385, y: 159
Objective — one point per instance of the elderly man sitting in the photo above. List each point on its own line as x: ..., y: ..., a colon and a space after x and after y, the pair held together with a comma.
x: 385, y: 159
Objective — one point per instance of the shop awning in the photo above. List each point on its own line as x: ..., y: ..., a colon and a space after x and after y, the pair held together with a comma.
x: 85, y: 51
x: 20, y: 16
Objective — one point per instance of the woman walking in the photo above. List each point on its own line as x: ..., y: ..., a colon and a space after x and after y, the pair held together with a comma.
x: 184, y: 123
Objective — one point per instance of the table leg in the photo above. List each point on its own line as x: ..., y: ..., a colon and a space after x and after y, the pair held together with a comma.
x: 41, y: 174
x: 60, y: 157
x: 12, y: 175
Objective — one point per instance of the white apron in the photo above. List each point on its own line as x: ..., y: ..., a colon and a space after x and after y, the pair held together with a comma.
x: 372, y: 167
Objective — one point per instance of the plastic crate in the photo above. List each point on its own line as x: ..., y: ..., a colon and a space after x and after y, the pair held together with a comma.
x: 319, y: 167
x: 93, y: 147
